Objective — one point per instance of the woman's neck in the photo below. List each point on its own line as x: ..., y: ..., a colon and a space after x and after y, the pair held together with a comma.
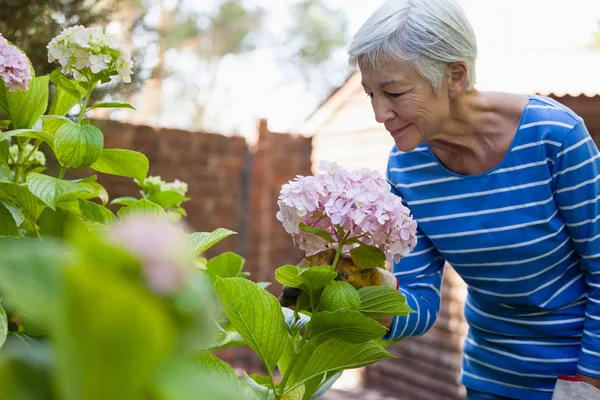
x: 479, y: 131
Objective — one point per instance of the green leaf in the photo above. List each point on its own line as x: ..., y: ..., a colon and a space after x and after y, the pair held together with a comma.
x: 259, y: 321
x: 58, y: 222
x: 15, y: 212
x: 5, y: 173
x: 122, y: 162
x: 25, y: 369
x: 316, y: 231
x: 4, y: 145
x: 68, y: 94
x: 22, y: 199
x: 97, y: 358
x: 339, y: 294
x: 124, y: 201
x: 52, y: 123
x: 111, y: 105
x: 301, y: 359
x: 4, y: 123
x: 335, y: 355
x: 179, y: 380
x: 226, y: 265
x: 3, y: 326
x: 96, y: 213
x: 295, y: 394
x: 142, y: 206
x: 255, y: 391
x: 309, y: 280
x: 30, y: 133
x: 222, y: 337
x: 96, y: 191
x: 214, y: 367
x: 349, y: 326
x: 69, y: 86
x: 331, y: 378
x: 4, y: 99
x: 168, y: 198
x: 52, y: 190
x: 8, y: 225
x: 199, y: 242
x: 365, y: 256
x: 26, y: 107
x: 294, y: 324
x: 78, y: 146
x: 381, y: 301
x: 31, y: 275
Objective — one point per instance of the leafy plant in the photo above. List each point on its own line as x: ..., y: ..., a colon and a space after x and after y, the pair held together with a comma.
x: 125, y: 306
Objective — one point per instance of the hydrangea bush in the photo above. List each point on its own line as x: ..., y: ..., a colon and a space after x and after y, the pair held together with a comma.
x: 96, y: 305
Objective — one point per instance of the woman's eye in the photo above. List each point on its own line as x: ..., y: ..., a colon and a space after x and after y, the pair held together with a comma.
x: 370, y: 95
x: 394, y: 95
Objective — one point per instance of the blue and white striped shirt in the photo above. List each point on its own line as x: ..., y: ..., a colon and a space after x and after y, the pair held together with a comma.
x: 525, y: 237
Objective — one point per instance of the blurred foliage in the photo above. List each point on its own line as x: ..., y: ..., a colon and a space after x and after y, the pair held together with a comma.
x: 320, y: 30
x: 31, y: 24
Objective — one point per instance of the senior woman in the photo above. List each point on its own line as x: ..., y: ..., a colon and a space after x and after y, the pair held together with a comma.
x: 504, y: 187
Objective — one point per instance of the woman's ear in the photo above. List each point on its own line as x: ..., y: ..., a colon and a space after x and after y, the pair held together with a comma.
x: 457, y: 78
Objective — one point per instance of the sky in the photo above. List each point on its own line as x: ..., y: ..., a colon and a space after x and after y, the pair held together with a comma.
x: 256, y: 85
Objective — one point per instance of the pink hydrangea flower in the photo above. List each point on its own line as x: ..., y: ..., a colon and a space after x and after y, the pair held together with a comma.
x: 161, y: 248
x: 80, y: 50
x: 15, y: 70
x: 359, y: 201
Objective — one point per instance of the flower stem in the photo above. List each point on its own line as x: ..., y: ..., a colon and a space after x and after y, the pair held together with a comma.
x: 288, y: 373
x: 338, y: 253
x: 35, y: 148
x: 272, y: 382
x: 61, y: 174
x: 19, y: 164
x: 85, y: 102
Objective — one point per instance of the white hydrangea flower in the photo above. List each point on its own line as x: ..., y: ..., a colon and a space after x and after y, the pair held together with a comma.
x: 84, y: 51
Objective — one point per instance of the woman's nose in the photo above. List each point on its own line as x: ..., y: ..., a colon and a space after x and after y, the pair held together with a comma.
x: 383, y: 112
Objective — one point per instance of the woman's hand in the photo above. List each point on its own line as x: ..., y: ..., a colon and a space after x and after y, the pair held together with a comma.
x: 347, y: 271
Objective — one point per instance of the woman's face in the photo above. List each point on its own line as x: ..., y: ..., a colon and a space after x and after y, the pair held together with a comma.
x: 406, y: 104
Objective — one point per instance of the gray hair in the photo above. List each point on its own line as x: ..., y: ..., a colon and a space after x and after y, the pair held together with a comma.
x: 428, y: 34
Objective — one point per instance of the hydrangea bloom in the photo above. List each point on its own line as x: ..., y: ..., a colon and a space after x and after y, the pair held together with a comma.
x: 156, y: 184
x: 359, y: 201
x: 161, y: 248
x: 37, y: 158
x: 80, y: 50
x: 15, y: 70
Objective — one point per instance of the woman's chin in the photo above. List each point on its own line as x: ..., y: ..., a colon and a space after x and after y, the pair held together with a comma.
x: 405, y: 146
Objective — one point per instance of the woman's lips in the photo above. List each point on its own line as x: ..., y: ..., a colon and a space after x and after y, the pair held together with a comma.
x: 398, y: 132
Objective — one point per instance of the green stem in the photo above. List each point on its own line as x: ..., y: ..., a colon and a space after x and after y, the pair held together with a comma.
x: 19, y: 163
x: 338, y: 253
x: 85, y: 102
x: 37, y: 231
x: 35, y: 148
x: 288, y: 373
x: 61, y: 174
x: 272, y: 382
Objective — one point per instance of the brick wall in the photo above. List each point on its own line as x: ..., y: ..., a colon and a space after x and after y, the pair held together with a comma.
x: 230, y: 185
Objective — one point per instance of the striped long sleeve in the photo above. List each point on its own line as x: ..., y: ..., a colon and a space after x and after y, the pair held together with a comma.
x: 576, y: 181
x: 420, y: 277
